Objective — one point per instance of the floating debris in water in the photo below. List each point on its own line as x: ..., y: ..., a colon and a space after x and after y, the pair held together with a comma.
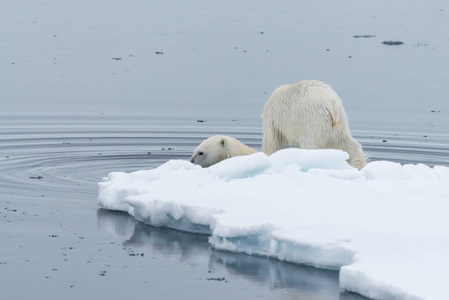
x: 217, y: 279
x: 392, y: 43
x: 363, y: 36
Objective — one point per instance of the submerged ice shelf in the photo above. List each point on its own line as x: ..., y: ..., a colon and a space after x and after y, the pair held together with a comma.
x: 384, y: 227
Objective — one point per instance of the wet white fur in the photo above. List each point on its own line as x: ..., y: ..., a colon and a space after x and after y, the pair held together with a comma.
x: 309, y: 115
x: 218, y: 148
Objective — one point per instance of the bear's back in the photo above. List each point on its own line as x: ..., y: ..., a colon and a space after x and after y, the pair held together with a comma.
x: 306, y: 100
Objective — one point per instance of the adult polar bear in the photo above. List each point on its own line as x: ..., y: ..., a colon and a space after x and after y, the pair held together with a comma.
x: 310, y: 115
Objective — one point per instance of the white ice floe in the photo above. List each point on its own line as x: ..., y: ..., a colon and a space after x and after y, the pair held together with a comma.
x: 386, y: 227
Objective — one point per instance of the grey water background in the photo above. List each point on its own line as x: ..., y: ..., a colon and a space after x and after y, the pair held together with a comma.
x: 91, y: 87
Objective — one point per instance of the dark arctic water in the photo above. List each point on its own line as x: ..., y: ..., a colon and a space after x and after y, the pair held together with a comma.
x: 123, y: 86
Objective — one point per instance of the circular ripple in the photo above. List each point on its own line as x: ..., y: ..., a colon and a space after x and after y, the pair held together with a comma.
x: 68, y: 162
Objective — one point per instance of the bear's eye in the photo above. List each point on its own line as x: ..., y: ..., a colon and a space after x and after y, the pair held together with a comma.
x: 200, y: 153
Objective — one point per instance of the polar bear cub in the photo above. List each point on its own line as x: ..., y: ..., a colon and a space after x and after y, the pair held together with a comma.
x: 218, y: 148
x: 310, y: 115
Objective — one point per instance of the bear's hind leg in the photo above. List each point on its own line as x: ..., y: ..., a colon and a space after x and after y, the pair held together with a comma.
x: 357, y: 157
x: 347, y: 143
x: 273, y: 141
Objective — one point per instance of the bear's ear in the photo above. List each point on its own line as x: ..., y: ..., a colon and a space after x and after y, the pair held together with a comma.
x: 223, y: 142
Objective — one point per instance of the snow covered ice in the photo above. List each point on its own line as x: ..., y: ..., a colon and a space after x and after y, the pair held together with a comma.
x: 386, y: 227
